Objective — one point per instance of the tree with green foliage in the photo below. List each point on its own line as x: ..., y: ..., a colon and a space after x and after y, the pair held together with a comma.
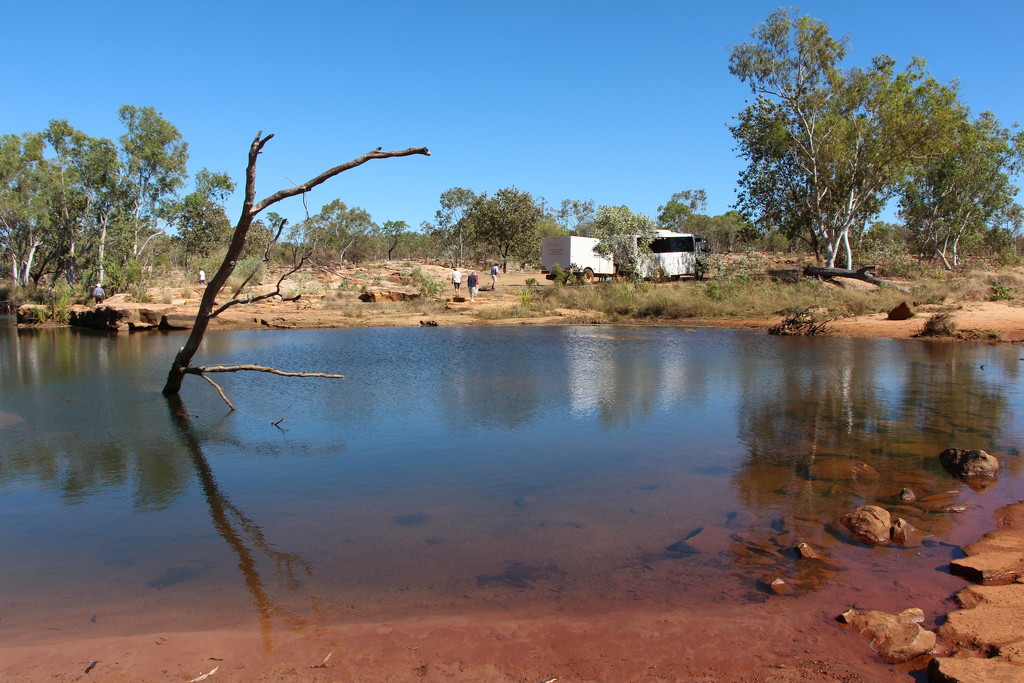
x: 24, y: 210
x: 952, y: 197
x: 675, y: 215
x: 341, y: 228
x: 575, y: 216
x: 200, y: 218
x: 153, y: 160
x: 392, y: 232
x: 506, y: 223
x: 622, y: 236
x: 452, y: 230
x: 826, y: 147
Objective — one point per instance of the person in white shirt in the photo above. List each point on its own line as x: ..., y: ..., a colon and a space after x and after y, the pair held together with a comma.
x: 456, y: 280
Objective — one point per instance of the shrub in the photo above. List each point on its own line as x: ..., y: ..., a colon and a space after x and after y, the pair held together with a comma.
x: 938, y: 325
x: 1001, y: 292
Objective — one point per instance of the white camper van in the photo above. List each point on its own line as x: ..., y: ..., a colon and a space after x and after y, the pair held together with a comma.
x: 673, y: 254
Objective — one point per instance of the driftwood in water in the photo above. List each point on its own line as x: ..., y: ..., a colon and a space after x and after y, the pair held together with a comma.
x: 865, y: 273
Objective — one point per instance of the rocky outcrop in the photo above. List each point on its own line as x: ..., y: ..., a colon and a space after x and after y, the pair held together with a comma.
x: 990, y: 620
x: 970, y: 463
x: 380, y: 295
x: 122, y: 315
x: 896, y: 638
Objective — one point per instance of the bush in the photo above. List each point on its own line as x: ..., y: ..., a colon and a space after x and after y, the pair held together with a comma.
x: 939, y: 325
x: 1001, y: 292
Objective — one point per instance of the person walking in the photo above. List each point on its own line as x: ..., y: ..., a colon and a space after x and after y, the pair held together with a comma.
x: 98, y: 293
x: 456, y: 277
x: 473, y: 281
x: 202, y: 277
x: 494, y: 276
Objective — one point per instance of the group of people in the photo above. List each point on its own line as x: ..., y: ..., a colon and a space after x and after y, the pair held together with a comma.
x: 473, y: 281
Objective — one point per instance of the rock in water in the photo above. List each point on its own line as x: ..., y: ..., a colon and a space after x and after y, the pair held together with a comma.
x: 868, y: 524
x: 969, y: 462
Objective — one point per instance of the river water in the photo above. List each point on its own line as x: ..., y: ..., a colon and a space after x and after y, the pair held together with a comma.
x: 459, y: 469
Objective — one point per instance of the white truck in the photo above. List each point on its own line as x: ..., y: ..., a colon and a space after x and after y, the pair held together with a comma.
x: 673, y: 254
x: 576, y: 253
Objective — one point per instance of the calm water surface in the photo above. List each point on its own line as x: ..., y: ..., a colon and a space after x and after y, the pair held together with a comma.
x: 465, y: 469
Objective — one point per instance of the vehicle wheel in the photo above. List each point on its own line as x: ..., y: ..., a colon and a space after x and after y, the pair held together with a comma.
x: 588, y: 275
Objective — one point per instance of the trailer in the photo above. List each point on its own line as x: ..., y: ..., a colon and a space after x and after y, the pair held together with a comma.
x: 572, y: 253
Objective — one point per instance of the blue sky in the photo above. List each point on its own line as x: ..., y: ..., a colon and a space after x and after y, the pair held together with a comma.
x: 619, y: 103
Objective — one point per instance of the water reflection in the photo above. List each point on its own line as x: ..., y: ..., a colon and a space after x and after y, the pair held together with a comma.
x: 839, y: 423
x: 463, y: 462
x: 242, y: 534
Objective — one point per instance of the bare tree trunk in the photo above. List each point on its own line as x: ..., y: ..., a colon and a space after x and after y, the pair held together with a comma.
x: 863, y: 273
x: 250, y: 209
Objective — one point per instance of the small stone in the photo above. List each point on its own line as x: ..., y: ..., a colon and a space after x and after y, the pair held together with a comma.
x: 907, y: 496
x: 903, y: 533
x: 805, y: 552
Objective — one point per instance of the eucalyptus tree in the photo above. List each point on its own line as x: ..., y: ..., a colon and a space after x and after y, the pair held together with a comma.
x: 200, y: 218
x: 575, y: 216
x: 24, y: 212
x: 340, y: 228
x: 153, y: 160
x: 66, y: 198
x: 507, y: 222
x: 393, y: 232
x: 676, y: 213
x: 826, y: 147
x: 452, y: 229
x: 953, y: 196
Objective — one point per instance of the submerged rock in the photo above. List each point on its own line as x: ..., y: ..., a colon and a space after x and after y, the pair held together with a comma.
x: 905, y: 534
x: 896, y: 638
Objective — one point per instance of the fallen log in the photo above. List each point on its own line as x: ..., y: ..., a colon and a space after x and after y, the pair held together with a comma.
x: 864, y: 273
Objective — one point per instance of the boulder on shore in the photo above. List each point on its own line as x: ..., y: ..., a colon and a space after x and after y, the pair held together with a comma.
x: 904, y: 311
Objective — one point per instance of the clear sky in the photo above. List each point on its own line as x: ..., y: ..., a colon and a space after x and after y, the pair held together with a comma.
x: 621, y: 103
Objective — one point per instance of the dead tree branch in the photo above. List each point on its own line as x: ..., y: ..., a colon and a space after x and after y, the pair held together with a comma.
x: 203, y: 369
x: 250, y: 209
x: 865, y: 273
x: 219, y: 391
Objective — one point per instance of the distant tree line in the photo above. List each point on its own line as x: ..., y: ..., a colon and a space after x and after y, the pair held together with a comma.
x: 827, y: 149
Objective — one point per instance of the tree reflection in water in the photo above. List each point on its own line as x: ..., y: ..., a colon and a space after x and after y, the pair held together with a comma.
x: 244, y: 536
